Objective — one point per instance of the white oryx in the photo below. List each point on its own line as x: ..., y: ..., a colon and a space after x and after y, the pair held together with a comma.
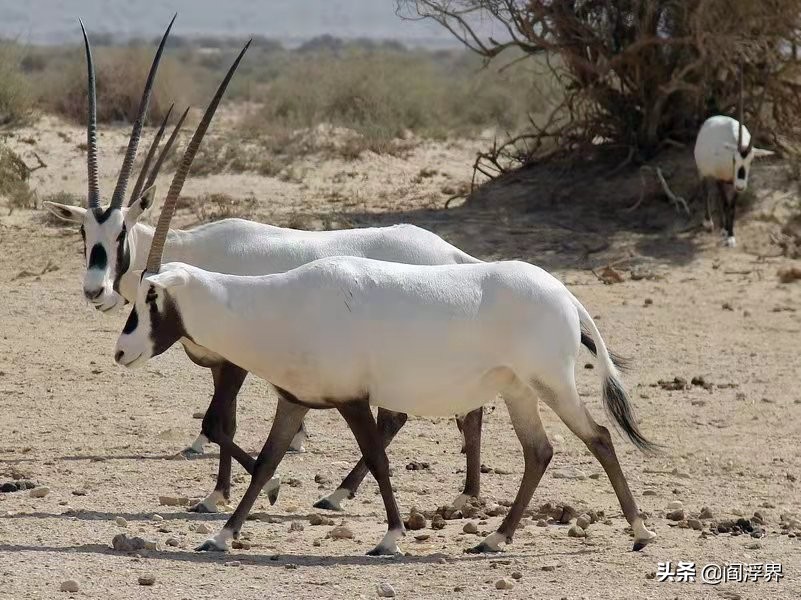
x: 724, y: 150
x: 351, y: 332
x: 117, y: 245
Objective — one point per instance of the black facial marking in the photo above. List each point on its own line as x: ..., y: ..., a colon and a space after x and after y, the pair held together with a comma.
x: 741, y: 173
x: 166, y: 325
x: 132, y: 322
x: 98, y: 259
x: 101, y: 216
x: 83, y: 237
x: 123, y: 258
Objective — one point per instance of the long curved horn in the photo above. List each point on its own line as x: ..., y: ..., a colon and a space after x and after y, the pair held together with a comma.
x: 741, y: 114
x: 93, y: 197
x: 130, y: 154
x: 151, y: 178
x: 140, y: 181
x: 167, y: 211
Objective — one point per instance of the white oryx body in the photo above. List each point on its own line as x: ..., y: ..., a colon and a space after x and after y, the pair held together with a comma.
x: 422, y: 340
x: 716, y: 154
x: 724, y: 152
x: 116, y: 244
x: 425, y: 341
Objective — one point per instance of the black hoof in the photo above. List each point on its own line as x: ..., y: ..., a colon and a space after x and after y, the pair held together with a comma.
x: 189, y: 453
x: 199, y: 508
x: 380, y: 551
x: 209, y: 546
x: 325, y: 504
x: 272, y: 495
x: 638, y: 546
x: 482, y: 548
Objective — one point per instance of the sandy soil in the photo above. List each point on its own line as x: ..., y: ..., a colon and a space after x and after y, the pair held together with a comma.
x: 101, y: 438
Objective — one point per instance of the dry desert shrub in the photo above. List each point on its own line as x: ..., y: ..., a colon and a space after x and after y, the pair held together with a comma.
x: 121, y: 74
x: 637, y: 75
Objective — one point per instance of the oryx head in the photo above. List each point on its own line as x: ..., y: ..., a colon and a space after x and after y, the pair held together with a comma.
x: 155, y: 321
x: 104, y: 228
x: 744, y: 152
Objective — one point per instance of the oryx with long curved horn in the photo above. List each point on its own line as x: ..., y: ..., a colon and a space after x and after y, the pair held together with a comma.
x: 259, y: 249
x: 724, y: 151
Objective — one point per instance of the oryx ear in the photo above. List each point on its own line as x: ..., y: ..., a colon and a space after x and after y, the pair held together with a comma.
x: 65, y: 212
x: 140, y: 205
x: 760, y: 152
x: 169, y: 279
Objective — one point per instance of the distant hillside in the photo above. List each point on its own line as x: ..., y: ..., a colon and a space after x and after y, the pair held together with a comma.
x: 289, y: 21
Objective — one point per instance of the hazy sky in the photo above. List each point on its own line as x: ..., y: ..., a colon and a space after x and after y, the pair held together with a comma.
x: 55, y: 21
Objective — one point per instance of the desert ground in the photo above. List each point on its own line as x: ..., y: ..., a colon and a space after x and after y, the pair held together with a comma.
x: 103, y: 439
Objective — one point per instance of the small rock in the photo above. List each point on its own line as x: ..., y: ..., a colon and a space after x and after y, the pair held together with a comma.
x: 569, y: 474
x: 341, y: 532
x: 675, y: 505
x: 517, y: 575
x: 122, y: 543
x: 676, y: 515
x: 121, y: 522
x: 576, y: 532
x: 417, y: 466
x: 542, y: 523
x: 549, y: 567
x: 568, y: 514
x: 9, y: 487
x: 470, y: 527
x: 202, y: 528
x: 422, y: 537
x: 233, y: 563
x: 315, y: 519
x: 706, y: 513
x: 148, y: 579
x: 753, y: 546
x: 79, y: 492
x: 172, y: 542
x: 321, y: 479
x: 173, y: 500
x: 438, y: 522
x: 296, y: 526
x: 70, y: 586
x: 39, y: 492
x: 385, y: 590
x: 504, y: 584
x: 584, y: 521
x: 157, y: 518
x: 695, y: 524
x: 240, y: 545
x: 649, y: 493
x: 294, y: 482
x: 416, y: 521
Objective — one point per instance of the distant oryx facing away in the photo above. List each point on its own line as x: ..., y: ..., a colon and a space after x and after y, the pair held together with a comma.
x: 724, y: 150
x: 348, y: 333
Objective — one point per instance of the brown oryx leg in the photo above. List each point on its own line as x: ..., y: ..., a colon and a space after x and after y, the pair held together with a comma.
x: 470, y: 426
x: 360, y: 419
x: 709, y: 225
x: 522, y: 403
x: 726, y: 197
x: 288, y: 417
x: 729, y: 208
x: 389, y: 423
x: 219, y: 426
x: 571, y: 410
